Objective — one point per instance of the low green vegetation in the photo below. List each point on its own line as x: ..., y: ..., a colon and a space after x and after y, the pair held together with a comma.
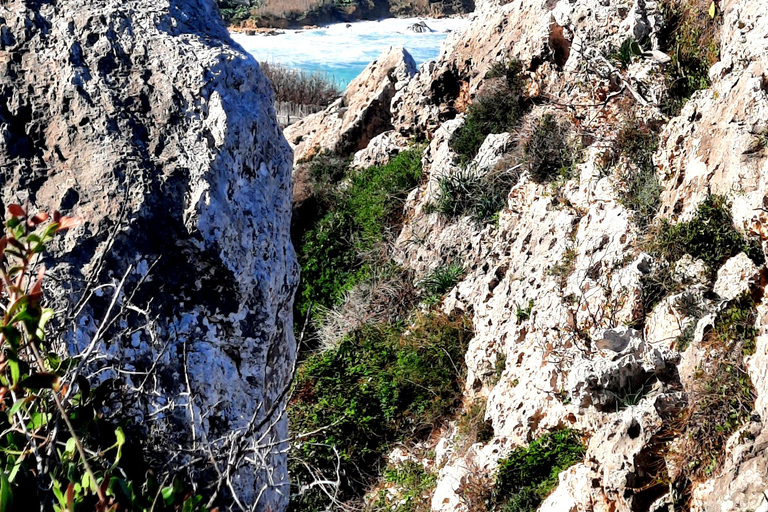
x: 339, y: 249
x: 722, y: 396
x: 439, y: 281
x: 414, y: 484
x: 550, y: 153
x: 692, y: 40
x: 529, y: 474
x: 523, y: 313
x: 710, y: 236
x: 497, y: 110
x: 640, y: 188
x: 381, y: 385
x: 467, y: 192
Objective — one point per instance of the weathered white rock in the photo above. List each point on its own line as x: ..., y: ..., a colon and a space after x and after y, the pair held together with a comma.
x: 380, y: 150
x: 362, y: 113
x: 737, y: 276
x: 145, y: 120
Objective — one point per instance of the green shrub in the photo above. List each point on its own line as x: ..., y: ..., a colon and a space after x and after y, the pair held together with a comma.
x: 641, y: 190
x: 335, y: 252
x: 721, y: 398
x: 529, y: 474
x: 710, y: 236
x: 414, y: 484
x: 440, y: 280
x: 496, y: 111
x: 383, y: 384
x: 548, y: 153
x: 692, y: 40
x: 468, y: 192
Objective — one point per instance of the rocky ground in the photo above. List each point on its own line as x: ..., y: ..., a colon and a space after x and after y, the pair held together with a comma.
x: 624, y: 319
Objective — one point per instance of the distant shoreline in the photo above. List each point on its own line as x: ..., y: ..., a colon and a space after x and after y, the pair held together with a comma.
x: 300, y: 14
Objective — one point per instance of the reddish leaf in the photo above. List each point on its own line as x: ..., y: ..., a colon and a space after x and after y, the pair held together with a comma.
x: 56, y: 216
x: 71, y: 496
x: 16, y: 210
x: 68, y: 222
x: 39, y: 218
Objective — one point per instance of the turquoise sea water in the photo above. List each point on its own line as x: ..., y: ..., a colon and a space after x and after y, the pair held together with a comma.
x: 343, y: 51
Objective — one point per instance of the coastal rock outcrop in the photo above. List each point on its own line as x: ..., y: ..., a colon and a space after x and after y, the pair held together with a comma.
x: 146, y: 121
x: 362, y: 113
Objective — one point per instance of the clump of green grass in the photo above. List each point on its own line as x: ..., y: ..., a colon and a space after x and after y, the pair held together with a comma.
x: 529, y: 474
x: 468, y: 192
x: 640, y: 188
x: 440, y: 280
x: 692, y: 40
x: 339, y: 249
x: 550, y: 153
x: 382, y: 384
x: 495, y: 111
x: 415, y: 484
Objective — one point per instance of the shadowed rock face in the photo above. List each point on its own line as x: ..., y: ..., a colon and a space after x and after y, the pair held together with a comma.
x: 144, y: 119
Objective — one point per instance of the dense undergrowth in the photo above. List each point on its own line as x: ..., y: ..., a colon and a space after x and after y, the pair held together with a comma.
x: 388, y: 378
x: 529, y: 474
x: 496, y: 110
x: 383, y: 384
x: 347, y: 241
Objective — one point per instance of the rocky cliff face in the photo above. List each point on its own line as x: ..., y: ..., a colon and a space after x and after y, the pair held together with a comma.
x: 558, y: 288
x: 145, y: 120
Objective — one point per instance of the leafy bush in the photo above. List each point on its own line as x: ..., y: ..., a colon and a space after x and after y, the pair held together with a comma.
x: 548, y: 153
x: 334, y: 252
x: 467, y: 192
x: 414, y: 483
x: 641, y: 189
x: 529, y: 474
x: 440, y: 280
x: 710, y: 236
x: 692, y: 40
x: 496, y: 111
x: 381, y: 385
x: 57, y: 452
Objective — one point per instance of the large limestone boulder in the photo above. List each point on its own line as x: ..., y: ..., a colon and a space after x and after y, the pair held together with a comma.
x: 362, y: 113
x: 145, y: 120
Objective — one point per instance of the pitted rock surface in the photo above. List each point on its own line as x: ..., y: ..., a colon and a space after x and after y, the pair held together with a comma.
x: 144, y: 119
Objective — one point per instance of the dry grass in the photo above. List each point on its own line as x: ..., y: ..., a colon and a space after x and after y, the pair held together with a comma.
x: 299, y: 87
x: 383, y: 298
